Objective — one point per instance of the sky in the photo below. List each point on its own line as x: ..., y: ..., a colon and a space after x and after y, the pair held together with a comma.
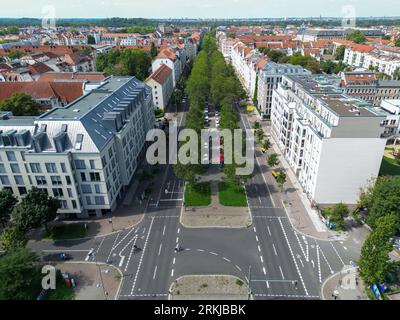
x: 197, y: 8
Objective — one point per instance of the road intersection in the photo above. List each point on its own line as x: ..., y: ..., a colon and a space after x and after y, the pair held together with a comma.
x: 280, y: 262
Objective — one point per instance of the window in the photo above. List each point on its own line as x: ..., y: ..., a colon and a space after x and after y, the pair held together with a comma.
x: 63, y: 167
x: 51, y: 167
x: 92, y: 164
x: 69, y: 191
x: 78, y: 142
x: 86, y: 188
x: 41, y: 180
x: 94, y: 176
x: 4, y: 180
x: 73, y: 204
x: 35, y: 167
x: 56, y: 180
x: 2, y: 168
x: 11, y: 156
x: 19, y: 180
x: 64, y: 204
x: 103, y: 161
x: 88, y: 200
x: 68, y: 178
x: 83, y: 176
x: 99, y: 200
x: 22, y: 190
x: 15, y: 168
x: 80, y: 164
x: 97, y: 188
x: 58, y: 192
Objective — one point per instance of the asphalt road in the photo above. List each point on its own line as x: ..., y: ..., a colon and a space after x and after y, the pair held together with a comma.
x: 270, y: 253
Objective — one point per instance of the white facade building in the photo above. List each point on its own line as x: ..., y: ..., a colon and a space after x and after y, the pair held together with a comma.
x: 268, y: 79
x: 85, y: 154
x: 162, y: 86
x: 332, y: 142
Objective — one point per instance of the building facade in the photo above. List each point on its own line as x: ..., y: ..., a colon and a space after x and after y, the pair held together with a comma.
x: 85, y: 154
x: 331, y: 141
x: 162, y: 86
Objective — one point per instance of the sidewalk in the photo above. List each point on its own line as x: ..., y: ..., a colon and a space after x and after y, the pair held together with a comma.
x: 295, y: 202
x: 344, y: 285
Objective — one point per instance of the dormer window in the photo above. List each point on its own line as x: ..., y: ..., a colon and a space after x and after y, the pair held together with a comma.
x: 78, y: 142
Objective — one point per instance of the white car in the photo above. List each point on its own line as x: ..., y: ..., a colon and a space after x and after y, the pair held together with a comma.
x: 217, y: 120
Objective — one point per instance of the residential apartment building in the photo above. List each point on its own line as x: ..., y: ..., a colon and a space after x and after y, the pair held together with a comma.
x: 162, y: 86
x: 369, y: 87
x: 268, y: 79
x: 391, y: 109
x: 335, y: 33
x: 172, y: 60
x: 331, y: 141
x: 85, y: 154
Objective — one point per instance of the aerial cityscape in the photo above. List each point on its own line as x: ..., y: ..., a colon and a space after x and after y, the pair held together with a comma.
x: 200, y: 150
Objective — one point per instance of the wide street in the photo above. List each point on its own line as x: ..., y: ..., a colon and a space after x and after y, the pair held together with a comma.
x: 279, y: 262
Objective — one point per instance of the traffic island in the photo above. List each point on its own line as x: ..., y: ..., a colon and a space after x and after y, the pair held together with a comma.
x: 216, y: 215
x: 208, y: 287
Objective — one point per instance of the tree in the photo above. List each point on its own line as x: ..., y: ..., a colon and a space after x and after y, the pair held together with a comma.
x: 15, y: 54
x: 12, y: 238
x: 384, y: 200
x: 35, y: 210
x: 7, y: 203
x: 374, y: 260
x: 357, y: 37
x: 397, y: 42
x: 273, y: 160
x: 281, y: 179
x: 20, y: 104
x: 267, y: 144
x: 339, y: 55
x: 187, y: 172
x: 91, y: 39
x: 20, y: 275
x: 338, y: 213
x: 153, y: 50
x: 396, y: 74
x: 255, y: 96
x: 386, y: 37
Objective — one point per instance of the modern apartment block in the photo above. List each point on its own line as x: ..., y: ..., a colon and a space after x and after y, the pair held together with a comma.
x: 331, y: 141
x: 269, y: 78
x: 86, y: 153
x: 391, y: 108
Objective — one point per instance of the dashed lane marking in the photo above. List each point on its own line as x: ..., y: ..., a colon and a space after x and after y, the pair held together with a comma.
x: 285, y: 295
x: 155, y: 272
x: 280, y: 269
x: 269, y: 231
x: 172, y: 272
x: 276, y: 253
x: 301, y: 247
x: 141, y: 258
x: 326, y: 260
x: 294, y: 260
x: 337, y: 253
x: 319, y: 266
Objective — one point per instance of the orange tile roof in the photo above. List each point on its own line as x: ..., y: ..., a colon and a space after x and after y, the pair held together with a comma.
x: 66, y: 92
x: 161, y: 74
x: 83, y: 76
x: 166, y: 54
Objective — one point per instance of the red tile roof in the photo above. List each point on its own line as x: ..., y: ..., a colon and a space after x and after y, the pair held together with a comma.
x: 83, y: 76
x: 66, y: 92
x: 161, y: 74
x: 38, y: 68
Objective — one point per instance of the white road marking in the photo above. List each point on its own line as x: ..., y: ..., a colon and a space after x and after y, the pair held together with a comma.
x: 124, y: 238
x: 262, y: 260
x: 179, y: 230
x: 173, y: 261
x: 257, y: 238
x: 163, y: 233
x: 177, y: 239
x: 130, y: 254
x: 200, y: 250
x: 141, y: 258
x: 159, y: 250
x: 121, y: 262
x: 213, y: 253
x: 101, y: 243
x: 155, y: 272
x: 164, y: 200
x: 313, y: 264
x: 112, y: 248
x: 259, y: 249
x: 301, y: 247
x: 319, y: 266
x: 254, y: 228
x: 301, y: 261
x: 276, y: 253
x: 172, y: 272
x: 269, y: 231
x: 294, y: 260
x: 264, y: 271
x: 337, y: 253
x: 226, y: 259
x: 280, y: 269
x: 344, y: 248
x: 326, y: 260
